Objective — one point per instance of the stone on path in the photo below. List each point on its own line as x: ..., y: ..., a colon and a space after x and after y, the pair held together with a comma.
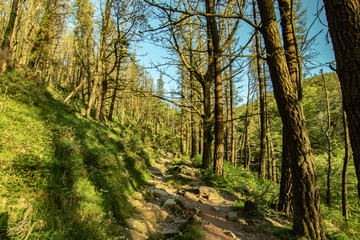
x: 134, y: 235
x: 170, y: 203
x: 144, y: 226
x: 160, y: 193
x: 232, y: 216
x: 191, y: 196
x: 242, y: 222
x: 152, y: 212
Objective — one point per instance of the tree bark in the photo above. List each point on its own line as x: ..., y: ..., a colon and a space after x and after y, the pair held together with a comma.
x: 5, y: 45
x: 262, y: 157
x: 307, y: 220
x: 344, y: 26
x: 100, y: 76
x: 219, y: 124
x: 207, y: 124
x: 344, y: 180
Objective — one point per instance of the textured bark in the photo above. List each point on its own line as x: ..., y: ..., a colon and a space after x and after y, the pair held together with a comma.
x: 329, y: 142
x: 289, y: 40
x: 262, y: 160
x: 207, y: 125
x: 246, y: 131
x: 307, y: 220
x: 100, y: 76
x: 344, y: 180
x: 219, y: 124
x: 285, y: 197
x: 5, y: 45
x: 344, y: 26
x: 232, y: 116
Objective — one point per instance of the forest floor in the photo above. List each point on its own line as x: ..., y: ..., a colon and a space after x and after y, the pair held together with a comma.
x: 178, y: 197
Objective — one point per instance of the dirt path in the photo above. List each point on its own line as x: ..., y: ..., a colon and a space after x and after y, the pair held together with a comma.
x: 163, y: 207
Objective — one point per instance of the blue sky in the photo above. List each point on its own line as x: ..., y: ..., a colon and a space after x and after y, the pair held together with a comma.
x: 155, y: 54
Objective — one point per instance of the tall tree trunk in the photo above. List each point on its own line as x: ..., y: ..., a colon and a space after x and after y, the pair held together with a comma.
x: 101, y: 74
x: 344, y: 26
x: 286, y: 193
x: 262, y: 157
x: 329, y: 141
x: 246, y: 131
x: 232, y: 116
x: 289, y: 39
x: 5, y: 45
x: 219, y: 124
x: 207, y: 124
x: 344, y: 180
x: 307, y: 220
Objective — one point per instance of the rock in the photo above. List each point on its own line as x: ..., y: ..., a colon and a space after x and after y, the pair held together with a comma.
x: 152, y: 212
x: 208, y: 193
x: 134, y: 235
x: 217, y: 208
x: 136, y: 203
x: 232, y: 216
x: 230, y: 234
x: 191, y: 196
x: 239, y: 235
x: 170, y: 203
x: 156, y: 171
x: 160, y: 193
x: 144, y: 226
x: 242, y: 222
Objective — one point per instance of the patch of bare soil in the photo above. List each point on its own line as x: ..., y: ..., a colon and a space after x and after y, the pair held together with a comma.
x: 171, y: 199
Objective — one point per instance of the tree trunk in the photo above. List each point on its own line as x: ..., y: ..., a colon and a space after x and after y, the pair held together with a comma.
x: 5, y: 45
x: 262, y: 157
x: 289, y: 39
x: 307, y: 220
x: 344, y: 26
x: 246, y: 131
x: 207, y: 125
x: 219, y: 124
x: 101, y: 74
x: 286, y: 194
x: 328, y: 138
x: 344, y: 180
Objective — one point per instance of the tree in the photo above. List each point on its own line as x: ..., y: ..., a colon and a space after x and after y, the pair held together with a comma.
x: 307, y: 220
x: 344, y: 26
x: 101, y: 69
x: 5, y: 45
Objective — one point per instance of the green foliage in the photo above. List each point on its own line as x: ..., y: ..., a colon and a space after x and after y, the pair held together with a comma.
x: 63, y: 176
x: 237, y: 179
x: 190, y: 230
x: 197, y: 161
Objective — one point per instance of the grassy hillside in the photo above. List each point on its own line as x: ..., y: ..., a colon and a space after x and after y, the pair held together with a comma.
x: 63, y: 176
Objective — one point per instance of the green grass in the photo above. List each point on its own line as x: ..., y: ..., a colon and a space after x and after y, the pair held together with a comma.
x: 190, y: 230
x: 63, y: 176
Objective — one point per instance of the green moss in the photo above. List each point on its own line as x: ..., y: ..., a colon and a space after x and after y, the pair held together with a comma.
x: 64, y: 176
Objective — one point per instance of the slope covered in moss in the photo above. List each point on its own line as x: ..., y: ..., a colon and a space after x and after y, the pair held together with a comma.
x: 63, y: 176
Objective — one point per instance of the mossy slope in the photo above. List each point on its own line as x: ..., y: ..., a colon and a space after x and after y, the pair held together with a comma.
x: 63, y: 176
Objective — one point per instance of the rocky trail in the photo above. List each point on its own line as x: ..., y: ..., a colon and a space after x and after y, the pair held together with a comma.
x: 178, y: 193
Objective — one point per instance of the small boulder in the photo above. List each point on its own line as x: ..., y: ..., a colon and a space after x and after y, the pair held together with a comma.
x: 230, y: 234
x: 242, y: 222
x: 160, y: 193
x: 170, y: 203
x: 232, y: 216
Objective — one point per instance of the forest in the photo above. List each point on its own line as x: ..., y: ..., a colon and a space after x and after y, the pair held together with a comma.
x: 93, y: 146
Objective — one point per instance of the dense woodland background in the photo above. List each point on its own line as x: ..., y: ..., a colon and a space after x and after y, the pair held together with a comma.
x: 82, y: 119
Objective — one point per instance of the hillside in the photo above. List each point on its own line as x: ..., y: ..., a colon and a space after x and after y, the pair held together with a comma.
x: 64, y: 176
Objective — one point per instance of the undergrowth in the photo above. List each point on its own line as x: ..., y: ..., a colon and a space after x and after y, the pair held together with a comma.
x: 63, y: 176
